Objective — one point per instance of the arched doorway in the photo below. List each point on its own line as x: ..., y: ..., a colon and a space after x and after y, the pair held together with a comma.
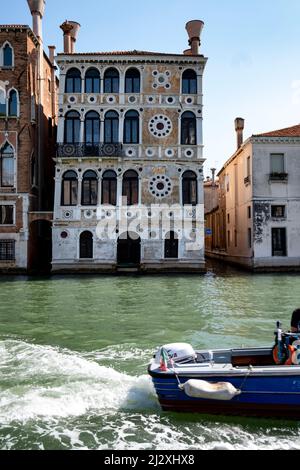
x: 40, y: 247
x: 86, y: 245
x: 171, y: 245
x: 129, y: 249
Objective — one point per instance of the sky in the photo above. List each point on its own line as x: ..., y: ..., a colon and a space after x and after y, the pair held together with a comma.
x: 253, y: 68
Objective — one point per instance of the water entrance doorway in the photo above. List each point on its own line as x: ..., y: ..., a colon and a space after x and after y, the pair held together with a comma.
x: 129, y: 250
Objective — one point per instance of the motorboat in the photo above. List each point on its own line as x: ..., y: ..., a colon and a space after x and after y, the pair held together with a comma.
x: 261, y: 381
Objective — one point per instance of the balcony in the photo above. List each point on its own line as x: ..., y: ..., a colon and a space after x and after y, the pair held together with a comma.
x: 89, y: 150
x: 278, y: 177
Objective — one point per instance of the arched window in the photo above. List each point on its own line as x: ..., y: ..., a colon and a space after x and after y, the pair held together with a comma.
x: 7, y: 56
x: 109, y: 188
x: 73, y: 81
x: 72, y: 128
x: 7, y: 166
x: 188, y: 129
x: 189, y: 82
x: 92, y: 81
x: 189, y: 188
x: 2, y: 102
x: 69, y: 193
x: 111, y: 81
x: 171, y: 245
x: 131, y: 127
x: 86, y: 245
x: 89, y: 189
x: 13, y: 103
x: 130, y: 188
x: 92, y: 128
x: 132, y: 81
x: 111, y: 127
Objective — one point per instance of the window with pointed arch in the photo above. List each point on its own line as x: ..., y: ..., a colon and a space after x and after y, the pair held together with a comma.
x: 92, y: 81
x: 69, y: 192
x: 92, y: 128
x: 132, y: 128
x: 111, y: 81
x: 7, y: 56
x: 189, y: 189
x: 73, y: 81
x: 7, y: 166
x: 109, y: 188
x: 72, y: 128
x: 171, y: 245
x: 188, y: 129
x: 86, y: 245
x: 132, y: 81
x: 2, y: 102
x: 189, y: 82
x: 13, y: 103
x: 89, y: 189
x: 111, y: 127
x: 130, y: 188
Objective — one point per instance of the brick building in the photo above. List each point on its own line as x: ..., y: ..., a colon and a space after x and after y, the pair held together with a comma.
x: 27, y: 135
x: 129, y: 128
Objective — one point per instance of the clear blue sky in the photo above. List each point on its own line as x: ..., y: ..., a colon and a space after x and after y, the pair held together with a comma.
x: 253, y: 49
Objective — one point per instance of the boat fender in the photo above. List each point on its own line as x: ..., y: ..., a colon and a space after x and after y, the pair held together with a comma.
x: 223, y: 391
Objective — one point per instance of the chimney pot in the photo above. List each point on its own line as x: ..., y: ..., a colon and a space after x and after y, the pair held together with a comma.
x: 74, y: 34
x: 194, y: 29
x: 70, y: 29
x: 37, y: 9
x: 239, y: 127
x: 213, y: 173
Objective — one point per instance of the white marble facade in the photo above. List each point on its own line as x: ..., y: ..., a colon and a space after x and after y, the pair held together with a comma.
x: 162, y: 147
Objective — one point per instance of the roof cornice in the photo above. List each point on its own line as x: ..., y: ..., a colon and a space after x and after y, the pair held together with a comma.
x: 22, y: 28
x: 275, y: 140
x: 95, y: 58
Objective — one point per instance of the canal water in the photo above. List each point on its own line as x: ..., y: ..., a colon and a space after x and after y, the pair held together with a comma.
x: 74, y: 354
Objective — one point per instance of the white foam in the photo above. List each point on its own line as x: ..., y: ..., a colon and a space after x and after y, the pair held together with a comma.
x: 41, y: 381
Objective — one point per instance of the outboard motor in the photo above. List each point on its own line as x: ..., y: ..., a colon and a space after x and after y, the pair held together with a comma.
x: 180, y: 353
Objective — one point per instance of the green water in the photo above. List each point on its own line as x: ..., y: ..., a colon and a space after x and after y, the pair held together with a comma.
x: 74, y: 354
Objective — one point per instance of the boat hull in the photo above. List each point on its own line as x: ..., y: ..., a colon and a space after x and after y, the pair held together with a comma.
x: 232, y: 409
x: 262, y: 396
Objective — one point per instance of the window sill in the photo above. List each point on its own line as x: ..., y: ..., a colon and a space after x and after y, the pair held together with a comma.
x: 279, y: 219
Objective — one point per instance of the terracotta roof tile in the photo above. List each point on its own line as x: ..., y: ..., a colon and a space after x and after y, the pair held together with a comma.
x: 293, y: 131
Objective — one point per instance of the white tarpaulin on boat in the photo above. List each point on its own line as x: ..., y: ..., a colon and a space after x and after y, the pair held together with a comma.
x: 224, y: 391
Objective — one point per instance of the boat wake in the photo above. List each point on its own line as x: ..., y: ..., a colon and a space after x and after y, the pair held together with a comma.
x: 45, y: 382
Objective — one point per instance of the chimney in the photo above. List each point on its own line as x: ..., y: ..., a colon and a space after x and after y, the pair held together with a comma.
x: 37, y: 8
x: 239, y: 127
x: 194, y: 29
x: 51, y: 54
x: 70, y: 29
x: 74, y: 34
x: 67, y: 28
x: 213, y: 173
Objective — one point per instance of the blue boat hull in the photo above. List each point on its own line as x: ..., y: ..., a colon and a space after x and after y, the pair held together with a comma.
x: 263, y: 396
